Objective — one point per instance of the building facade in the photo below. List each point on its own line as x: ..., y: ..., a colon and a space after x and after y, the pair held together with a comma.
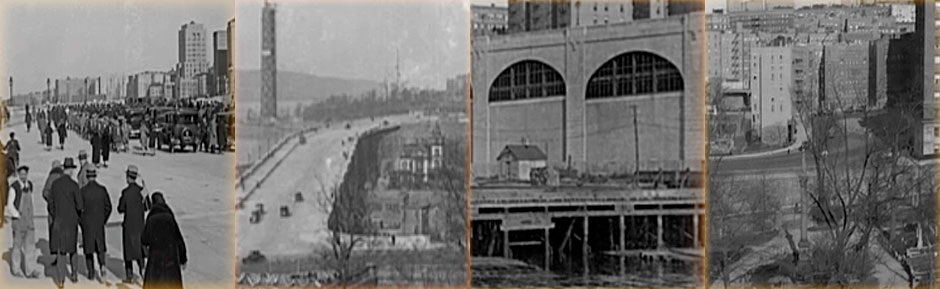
x: 771, y: 104
x: 530, y: 15
x: 490, y: 19
x: 845, y: 73
x: 193, y: 58
x: 639, y: 79
x: 220, y: 65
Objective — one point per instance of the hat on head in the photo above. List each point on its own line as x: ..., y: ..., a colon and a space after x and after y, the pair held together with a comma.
x: 91, y: 172
x: 132, y: 171
x: 82, y: 154
x: 23, y: 168
x: 69, y: 163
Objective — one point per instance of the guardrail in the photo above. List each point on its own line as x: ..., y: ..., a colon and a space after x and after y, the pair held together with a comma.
x: 257, y: 164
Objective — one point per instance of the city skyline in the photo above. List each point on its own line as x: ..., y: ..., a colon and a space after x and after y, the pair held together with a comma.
x: 63, y: 40
x: 425, y: 37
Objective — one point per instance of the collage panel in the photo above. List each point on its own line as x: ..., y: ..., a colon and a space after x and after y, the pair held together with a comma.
x: 588, y: 144
x: 352, y: 148
x: 822, y: 143
x: 118, y: 145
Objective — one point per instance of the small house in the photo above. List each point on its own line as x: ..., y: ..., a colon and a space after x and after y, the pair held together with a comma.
x: 516, y: 161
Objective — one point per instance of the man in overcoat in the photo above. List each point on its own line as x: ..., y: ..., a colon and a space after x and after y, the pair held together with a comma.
x: 67, y: 205
x: 54, y: 173
x: 95, y: 215
x: 133, y: 203
x: 84, y: 166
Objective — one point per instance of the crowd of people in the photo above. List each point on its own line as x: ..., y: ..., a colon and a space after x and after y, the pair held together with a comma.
x: 78, y: 207
x: 109, y: 127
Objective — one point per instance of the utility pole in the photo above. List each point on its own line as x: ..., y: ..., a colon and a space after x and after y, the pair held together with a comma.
x: 804, y: 242
x: 11, y: 90
x: 636, y: 143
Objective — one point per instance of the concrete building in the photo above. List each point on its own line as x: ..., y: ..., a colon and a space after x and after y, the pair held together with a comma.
x: 268, y: 62
x: 632, y: 103
x: 150, y: 84
x: 75, y: 90
x: 807, y: 65
x: 193, y: 58
x: 529, y: 15
x: 220, y: 65
x: 845, y: 77
x: 911, y: 68
x: 729, y: 55
x: 771, y: 104
x: 489, y: 19
x: 756, y: 5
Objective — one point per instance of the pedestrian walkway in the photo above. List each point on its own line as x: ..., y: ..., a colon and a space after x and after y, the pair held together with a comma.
x: 198, y: 187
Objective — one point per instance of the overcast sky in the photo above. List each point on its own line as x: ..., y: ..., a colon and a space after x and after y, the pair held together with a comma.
x: 359, y: 40
x: 43, y: 40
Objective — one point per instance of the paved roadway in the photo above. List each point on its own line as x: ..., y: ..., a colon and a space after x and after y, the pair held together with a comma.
x: 198, y: 187
x: 789, y: 162
x: 309, y: 169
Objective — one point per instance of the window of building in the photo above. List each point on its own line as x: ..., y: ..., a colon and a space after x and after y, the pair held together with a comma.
x: 527, y: 79
x: 632, y: 74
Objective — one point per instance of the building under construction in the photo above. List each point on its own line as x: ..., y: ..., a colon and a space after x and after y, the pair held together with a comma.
x: 591, y: 230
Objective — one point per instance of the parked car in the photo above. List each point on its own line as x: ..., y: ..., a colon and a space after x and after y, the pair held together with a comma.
x: 177, y: 128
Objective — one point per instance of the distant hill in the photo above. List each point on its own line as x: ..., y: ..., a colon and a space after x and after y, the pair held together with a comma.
x: 301, y: 86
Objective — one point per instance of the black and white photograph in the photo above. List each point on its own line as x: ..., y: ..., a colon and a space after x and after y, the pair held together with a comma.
x: 587, y: 144
x: 352, y: 148
x: 118, y: 144
x: 823, y: 143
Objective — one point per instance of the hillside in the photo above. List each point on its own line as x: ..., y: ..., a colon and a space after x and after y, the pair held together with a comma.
x: 301, y: 86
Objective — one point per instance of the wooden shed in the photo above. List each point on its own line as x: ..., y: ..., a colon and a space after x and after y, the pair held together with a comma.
x: 516, y: 161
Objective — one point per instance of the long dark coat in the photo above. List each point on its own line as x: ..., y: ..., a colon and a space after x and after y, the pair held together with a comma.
x: 63, y: 132
x: 166, y: 249
x: 67, y: 206
x: 133, y: 206
x: 7, y: 172
x: 95, y: 215
x: 95, y: 145
x: 54, y: 175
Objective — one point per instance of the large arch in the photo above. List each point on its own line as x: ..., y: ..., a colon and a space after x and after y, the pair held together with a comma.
x: 527, y: 79
x: 634, y: 73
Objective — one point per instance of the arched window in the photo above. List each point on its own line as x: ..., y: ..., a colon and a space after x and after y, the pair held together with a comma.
x: 525, y: 80
x: 632, y: 74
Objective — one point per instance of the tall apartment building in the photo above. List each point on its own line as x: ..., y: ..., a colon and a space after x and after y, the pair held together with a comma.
x: 489, y: 19
x: 771, y: 106
x: 532, y: 15
x: 193, y: 58
x: 220, y: 50
x: 231, y: 52
x: 845, y: 76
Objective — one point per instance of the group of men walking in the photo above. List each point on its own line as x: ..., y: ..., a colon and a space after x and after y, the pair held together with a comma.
x: 49, y: 121
x: 79, y: 207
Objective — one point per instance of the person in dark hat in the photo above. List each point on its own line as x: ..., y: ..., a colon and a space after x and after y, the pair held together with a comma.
x: 63, y: 132
x: 165, y: 247
x: 95, y: 141
x: 67, y: 205
x: 13, y: 149
x: 134, y: 202
x: 84, y: 166
x: 97, y: 209
x: 20, y: 211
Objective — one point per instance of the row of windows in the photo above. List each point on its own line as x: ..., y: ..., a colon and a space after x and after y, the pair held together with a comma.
x: 526, y: 80
x: 633, y: 74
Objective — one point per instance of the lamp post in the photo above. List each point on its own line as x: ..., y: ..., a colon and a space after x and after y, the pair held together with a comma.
x: 11, y: 90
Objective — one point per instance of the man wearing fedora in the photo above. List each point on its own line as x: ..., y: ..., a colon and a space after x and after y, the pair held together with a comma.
x: 134, y: 202
x: 13, y: 149
x: 67, y: 205
x: 20, y: 211
x: 84, y: 166
x: 97, y: 209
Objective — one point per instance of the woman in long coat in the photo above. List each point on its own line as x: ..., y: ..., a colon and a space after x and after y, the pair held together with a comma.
x: 166, y: 249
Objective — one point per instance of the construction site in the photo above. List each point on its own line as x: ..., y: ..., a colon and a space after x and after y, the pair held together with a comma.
x: 603, y: 234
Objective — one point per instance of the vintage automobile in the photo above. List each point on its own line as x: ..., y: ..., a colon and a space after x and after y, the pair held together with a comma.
x: 177, y: 128
x: 134, y: 117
